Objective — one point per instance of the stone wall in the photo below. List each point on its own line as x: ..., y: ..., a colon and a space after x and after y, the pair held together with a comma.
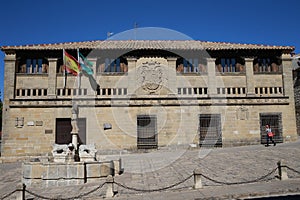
x: 297, y: 103
x: 47, y: 174
x: 175, y: 124
x: 152, y: 88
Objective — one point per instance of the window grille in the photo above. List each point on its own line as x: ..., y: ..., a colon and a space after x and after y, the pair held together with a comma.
x: 146, y: 132
x: 210, y: 130
x: 275, y: 121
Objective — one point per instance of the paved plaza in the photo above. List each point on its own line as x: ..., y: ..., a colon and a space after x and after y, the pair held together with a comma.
x: 235, y: 173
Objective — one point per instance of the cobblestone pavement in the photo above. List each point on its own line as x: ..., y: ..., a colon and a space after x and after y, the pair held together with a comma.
x: 163, y: 168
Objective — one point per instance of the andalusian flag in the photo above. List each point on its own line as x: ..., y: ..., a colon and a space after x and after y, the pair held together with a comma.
x: 87, y: 69
x: 71, y: 64
x: 86, y: 65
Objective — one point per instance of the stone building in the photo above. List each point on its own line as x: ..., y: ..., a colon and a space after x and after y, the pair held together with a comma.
x: 152, y: 94
x: 296, y: 76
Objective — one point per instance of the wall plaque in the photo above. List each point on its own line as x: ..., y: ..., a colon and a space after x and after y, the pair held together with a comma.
x: 48, y: 131
x: 39, y: 123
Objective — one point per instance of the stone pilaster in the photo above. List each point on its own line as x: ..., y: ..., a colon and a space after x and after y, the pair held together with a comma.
x: 211, y: 72
x: 52, y: 77
x: 249, y: 77
x: 287, y: 76
x: 9, y: 91
x: 289, y: 126
x: 9, y: 75
x: 131, y: 75
x: 172, y: 75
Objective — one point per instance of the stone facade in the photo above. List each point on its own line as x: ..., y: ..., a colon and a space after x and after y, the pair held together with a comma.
x: 297, y: 98
x: 151, y: 86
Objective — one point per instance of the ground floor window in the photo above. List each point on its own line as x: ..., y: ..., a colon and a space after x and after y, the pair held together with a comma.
x: 275, y: 121
x: 210, y: 130
x: 64, y: 128
x: 146, y: 132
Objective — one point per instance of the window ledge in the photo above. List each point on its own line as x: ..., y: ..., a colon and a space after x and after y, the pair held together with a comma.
x: 230, y: 73
x: 33, y: 74
x: 191, y: 74
x: 112, y: 73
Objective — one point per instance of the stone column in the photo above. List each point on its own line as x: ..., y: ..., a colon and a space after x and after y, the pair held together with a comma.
x: 172, y: 86
x: 52, y: 78
x: 249, y: 77
x: 131, y: 75
x: 211, y: 72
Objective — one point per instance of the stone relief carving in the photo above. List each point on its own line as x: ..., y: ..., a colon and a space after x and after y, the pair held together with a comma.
x: 151, y: 76
x: 242, y: 113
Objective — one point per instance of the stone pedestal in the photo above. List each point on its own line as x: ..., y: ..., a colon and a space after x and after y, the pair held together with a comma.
x: 60, y: 153
x: 87, y: 153
x: 75, y: 140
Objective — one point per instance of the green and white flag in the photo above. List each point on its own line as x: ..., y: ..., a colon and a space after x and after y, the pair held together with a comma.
x: 87, y: 70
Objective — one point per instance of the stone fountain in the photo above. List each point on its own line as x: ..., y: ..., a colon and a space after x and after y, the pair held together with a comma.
x: 70, y: 163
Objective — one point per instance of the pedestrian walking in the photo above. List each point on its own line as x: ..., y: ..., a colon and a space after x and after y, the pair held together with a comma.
x: 270, y: 135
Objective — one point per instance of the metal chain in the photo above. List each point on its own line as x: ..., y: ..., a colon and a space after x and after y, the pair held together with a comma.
x: 69, y: 198
x: 241, y: 182
x: 38, y: 196
x: 298, y: 172
x: 9, y: 194
x: 153, y: 190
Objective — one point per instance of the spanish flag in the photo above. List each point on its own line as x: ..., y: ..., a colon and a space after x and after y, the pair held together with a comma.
x: 71, y: 64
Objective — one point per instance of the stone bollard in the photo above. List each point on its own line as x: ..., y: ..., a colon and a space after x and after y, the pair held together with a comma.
x: 282, y: 171
x: 110, y: 186
x: 197, y: 179
x: 21, y: 192
x: 118, y: 166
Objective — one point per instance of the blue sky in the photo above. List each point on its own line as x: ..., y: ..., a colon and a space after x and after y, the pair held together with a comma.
x: 274, y: 22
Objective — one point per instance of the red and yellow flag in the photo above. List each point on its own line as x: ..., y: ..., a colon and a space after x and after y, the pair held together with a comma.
x: 71, y: 64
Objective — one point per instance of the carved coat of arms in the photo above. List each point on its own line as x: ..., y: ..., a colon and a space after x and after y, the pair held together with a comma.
x: 151, y: 76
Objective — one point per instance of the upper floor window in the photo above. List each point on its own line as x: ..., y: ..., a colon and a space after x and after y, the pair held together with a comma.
x: 263, y: 65
x: 191, y: 65
x: 33, y: 66
x: 118, y: 65
x: 230, y: 65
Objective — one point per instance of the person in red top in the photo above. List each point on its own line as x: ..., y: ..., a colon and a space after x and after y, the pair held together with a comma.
x: 270, y: 135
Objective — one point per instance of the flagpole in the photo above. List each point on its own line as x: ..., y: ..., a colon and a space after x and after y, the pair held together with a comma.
x: 78, y: 75
x: 64, y: 69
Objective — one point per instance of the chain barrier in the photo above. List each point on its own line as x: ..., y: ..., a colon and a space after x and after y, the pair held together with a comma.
x: 9, y: 194
x: 154, y: 190
x: 293, y: 170
x: 69, y: 198
x: 264, y: 177
x: 242, y: 182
